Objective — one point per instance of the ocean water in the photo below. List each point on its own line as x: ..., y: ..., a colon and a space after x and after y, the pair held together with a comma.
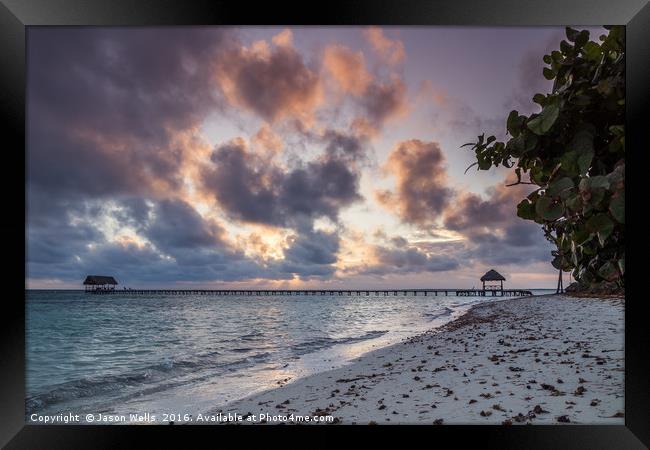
x: 122, y: 354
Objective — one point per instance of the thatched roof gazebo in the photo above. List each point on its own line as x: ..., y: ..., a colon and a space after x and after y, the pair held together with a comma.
x: 99, y: 282
x: 492, y: 276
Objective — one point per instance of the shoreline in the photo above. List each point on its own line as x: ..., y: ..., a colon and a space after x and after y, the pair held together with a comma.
x: 542, y: 359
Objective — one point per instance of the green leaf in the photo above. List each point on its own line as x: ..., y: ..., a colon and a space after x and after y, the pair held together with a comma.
x: 548, y: 73
x: 543, y: 122
x: 539, y: 99
x: 602, y: 225
x: 571, y: 34
x: 582, y: 39
x: 514, y: 123
x: 581, y: 236
x: 617, y: 206
x: 598, y: 181
x: 565, y: 47
x: 526, y: 210
x: 574, y: 203
x: 584, y: 161
x: 559, y: 185
x: 608, y: 271
x: 591, y: 51
x: 548, y: 210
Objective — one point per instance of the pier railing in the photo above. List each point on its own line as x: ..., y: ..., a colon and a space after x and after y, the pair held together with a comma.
x: 328, y: 292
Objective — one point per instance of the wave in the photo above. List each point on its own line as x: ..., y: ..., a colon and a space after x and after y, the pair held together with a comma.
x: 438, y: 314
x: 147, y: 380
x: 320, y: 343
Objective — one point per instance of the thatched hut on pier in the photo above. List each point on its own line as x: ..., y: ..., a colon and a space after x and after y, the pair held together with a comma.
x: 492, y: 277
x: 99, y: 283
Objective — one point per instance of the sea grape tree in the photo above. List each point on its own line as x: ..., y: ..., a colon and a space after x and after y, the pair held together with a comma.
x: 573, y: 152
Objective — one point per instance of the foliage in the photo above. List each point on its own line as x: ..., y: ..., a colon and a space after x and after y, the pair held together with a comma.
x: 573, y: 150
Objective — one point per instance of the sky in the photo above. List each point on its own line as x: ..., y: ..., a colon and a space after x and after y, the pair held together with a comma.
x: 276, y: 157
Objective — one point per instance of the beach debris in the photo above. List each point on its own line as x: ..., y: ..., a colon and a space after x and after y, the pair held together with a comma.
x: 438, y: 422
x: 486, y: 413
x: 498, y: 407
x: 471, y: 401
x: 382, y: 407
x: 580, y: 390
x: 619, y: 414
x: 563, y: 419
x: 520, y: 418
x: 539, y: 410
x: 506, y: 422
x: 594, y: 402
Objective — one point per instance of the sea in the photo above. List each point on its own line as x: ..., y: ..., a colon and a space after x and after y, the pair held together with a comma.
x: 187, y: 354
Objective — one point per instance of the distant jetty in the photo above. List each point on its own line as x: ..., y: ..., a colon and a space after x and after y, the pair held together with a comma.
x: 330, y: 292
x: 101, y: 284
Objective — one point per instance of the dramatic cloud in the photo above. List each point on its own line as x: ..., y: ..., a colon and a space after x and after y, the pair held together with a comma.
x: 219, y: 155
x: 311, y: 254
x: 251, y: 189
x: 105, y: 105
x: 421, y: 192
x: 273, y: 82
x: 391, y: 51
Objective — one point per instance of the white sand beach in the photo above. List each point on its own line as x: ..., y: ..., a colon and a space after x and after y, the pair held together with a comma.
x: 536, y: 360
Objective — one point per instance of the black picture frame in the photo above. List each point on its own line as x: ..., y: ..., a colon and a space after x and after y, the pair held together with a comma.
x: 16, y: 15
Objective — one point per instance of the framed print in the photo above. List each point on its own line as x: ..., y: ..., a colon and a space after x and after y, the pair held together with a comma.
x: 365, y: 215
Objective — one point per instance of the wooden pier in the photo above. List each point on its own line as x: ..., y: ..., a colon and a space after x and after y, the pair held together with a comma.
x: 321, y: 292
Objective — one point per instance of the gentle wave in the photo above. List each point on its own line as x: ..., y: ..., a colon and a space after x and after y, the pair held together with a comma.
x: 437, y: 315
x: 326, y: 342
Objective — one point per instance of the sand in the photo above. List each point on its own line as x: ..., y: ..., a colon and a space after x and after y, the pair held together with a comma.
x: 535, y: 360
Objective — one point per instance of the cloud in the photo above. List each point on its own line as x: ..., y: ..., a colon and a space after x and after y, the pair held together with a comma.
x: 391, y: 51
x: 421, y: 193
x: 105, y: 107
x: 385, y: 101
x: 493, y: 231
x: 348, y: 68
x: 274, y: 82
x: 397, y: 255
x: 311, y: 254
x: 378, y: 101
x: 253, y: 190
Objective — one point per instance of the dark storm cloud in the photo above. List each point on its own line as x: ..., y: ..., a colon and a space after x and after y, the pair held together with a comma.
x: 311, y: 254
x: 177, y: 225
x: 421, y: 192
x: 254, y: 190
x: 104, y: 105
